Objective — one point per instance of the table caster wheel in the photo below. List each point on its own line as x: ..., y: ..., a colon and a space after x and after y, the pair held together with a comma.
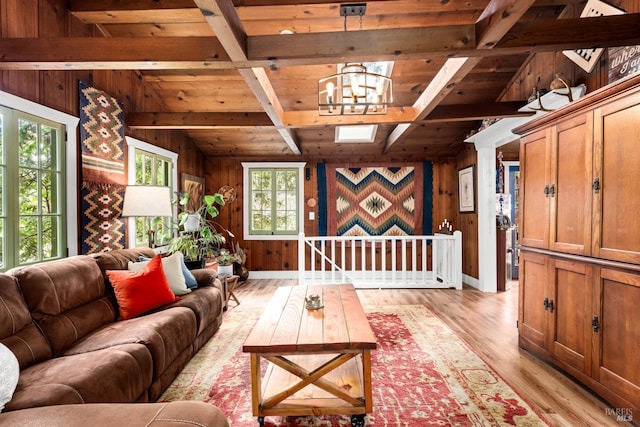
x: 357, y: 420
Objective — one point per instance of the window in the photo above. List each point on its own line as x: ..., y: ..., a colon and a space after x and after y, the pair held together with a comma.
x: 273, y: 208
x: 151, y: 165
x: 32, y: 185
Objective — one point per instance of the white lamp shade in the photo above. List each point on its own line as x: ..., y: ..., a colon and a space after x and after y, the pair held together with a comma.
x: 147, y: 200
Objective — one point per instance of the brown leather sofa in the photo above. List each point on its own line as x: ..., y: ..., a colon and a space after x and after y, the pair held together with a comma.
x: 60, y: 320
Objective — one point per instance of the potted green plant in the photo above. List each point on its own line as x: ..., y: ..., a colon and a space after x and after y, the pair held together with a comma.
x: 225, y: 263
x: 200, y: 241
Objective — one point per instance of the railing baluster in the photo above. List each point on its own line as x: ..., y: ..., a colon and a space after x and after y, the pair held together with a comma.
x: 425, y: 259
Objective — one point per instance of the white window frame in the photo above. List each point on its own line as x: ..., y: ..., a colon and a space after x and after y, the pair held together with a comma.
x: 71, y: 154
x: 246, y: 166
x: 132, y: 145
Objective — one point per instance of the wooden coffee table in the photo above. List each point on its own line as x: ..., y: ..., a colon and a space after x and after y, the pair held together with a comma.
x: 317, y: 361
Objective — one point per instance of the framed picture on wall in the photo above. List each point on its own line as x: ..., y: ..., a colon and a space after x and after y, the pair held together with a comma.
x: 466, y: 189
x: 194, y: 186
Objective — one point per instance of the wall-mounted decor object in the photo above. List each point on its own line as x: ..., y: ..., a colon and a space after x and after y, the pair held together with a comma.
x: 375, y: 199
x: 194, y: 186
x: 587, y: 58
x: 466, y: 189
x: 228, y: 193
x: 623, y: 61
x: 102, y: 169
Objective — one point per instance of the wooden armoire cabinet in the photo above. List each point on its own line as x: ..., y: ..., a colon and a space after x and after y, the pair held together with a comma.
x: 579, y: 305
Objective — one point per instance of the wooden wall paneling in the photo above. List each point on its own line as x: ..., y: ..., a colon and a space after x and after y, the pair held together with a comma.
x: 445, y: 193
x: 20, y: 19
x: 467, y: 222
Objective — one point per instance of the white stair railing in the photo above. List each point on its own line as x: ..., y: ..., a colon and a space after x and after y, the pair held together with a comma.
x: 382, y: 261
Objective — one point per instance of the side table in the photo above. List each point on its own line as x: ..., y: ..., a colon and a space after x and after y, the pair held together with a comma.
x: 230, y: 283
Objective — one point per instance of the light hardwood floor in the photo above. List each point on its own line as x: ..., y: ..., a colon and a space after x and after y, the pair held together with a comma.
x: 488, y: 323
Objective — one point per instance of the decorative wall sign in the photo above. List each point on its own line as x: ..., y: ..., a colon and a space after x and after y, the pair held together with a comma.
x: 588, y: 58
x: 466, y: 189
x: 623, y: 61
x: 194, y: 186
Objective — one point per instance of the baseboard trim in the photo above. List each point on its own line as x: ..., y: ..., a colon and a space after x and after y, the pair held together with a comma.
x: 273, y: 274
x: 471, y: 281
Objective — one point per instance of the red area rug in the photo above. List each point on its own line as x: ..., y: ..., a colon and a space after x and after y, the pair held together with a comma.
x: 423, y: 375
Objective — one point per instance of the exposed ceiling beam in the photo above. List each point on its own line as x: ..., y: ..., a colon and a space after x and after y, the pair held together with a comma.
x: 148, y: 53
x: 302, y: 119
x: 389, y: 43
x: 313, y: 119
x: 471, y: 112
x: 497, y: 19
x: 225, y: 23
x: 196, y: 120
x: 119, y: 5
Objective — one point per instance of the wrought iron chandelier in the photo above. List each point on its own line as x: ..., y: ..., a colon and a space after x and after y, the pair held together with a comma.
x: 353, y: 90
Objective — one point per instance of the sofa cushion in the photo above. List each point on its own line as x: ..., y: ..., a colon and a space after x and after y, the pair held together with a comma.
x: 172, y: 267
x: 17, y: 330
x: 206, y: 303
x: 165, y: 333
x: 67, y: 298
x: 138, y: 292
x: 118, y: 260
x: 177, y: 414
x: 117, y: 374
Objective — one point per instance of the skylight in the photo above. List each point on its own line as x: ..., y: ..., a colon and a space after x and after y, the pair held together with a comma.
x: 355, y: 134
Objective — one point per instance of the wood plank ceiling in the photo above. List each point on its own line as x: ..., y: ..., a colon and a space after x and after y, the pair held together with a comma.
x: 240, y: 88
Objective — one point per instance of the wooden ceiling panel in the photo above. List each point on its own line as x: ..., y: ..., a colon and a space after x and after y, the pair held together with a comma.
x: 239, y: 141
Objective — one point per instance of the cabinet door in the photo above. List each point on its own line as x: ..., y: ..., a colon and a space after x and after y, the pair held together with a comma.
x: 570, y: 326
x: 570, y: 191
x: 534, y: 179
x: 616, y: 350
x: 617, y: 204
x: 533, y: 318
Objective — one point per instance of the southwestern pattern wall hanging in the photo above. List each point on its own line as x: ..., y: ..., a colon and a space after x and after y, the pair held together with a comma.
x: 374, y: 200
x: 103, y: 173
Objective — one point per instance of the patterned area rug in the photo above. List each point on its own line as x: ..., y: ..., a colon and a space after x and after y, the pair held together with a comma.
x: 423, y: 375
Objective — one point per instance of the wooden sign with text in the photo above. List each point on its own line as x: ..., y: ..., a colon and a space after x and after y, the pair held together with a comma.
x: 623, y: 61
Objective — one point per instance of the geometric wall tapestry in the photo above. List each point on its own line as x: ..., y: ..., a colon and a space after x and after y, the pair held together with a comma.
x: 374, y: 200
x: 102, y: 169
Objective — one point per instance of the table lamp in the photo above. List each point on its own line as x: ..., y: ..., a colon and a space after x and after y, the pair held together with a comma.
x: 147, y: 201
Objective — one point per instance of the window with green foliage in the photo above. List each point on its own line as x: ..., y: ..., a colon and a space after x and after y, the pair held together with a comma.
x: 153, y: 166
x: 32, y: 183
x: 273, y: 206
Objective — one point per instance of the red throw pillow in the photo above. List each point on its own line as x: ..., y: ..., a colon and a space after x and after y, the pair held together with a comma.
x: 139, y: 292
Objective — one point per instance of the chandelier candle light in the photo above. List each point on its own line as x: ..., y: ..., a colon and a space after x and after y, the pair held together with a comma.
x: 354, y: 90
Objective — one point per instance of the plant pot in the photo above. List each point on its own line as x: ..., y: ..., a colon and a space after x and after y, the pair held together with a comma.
x: 192, y: 223
x: 194, y: 264
x: 225, y: 270
x: 242, y: 271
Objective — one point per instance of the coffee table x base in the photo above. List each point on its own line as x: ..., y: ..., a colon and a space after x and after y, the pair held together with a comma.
x: 335, y: 386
